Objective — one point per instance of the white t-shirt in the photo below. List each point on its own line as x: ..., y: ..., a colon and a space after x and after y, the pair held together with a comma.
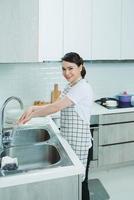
x: 81, y: 95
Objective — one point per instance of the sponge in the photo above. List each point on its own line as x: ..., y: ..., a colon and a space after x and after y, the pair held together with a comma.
x: 9, y: 163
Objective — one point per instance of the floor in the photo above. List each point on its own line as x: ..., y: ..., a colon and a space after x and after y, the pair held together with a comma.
x: 118, y: 182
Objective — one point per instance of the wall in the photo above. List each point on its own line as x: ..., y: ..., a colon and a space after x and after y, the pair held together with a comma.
x: 34, y: 81
x: 29, y: 81
x: 111, y: 78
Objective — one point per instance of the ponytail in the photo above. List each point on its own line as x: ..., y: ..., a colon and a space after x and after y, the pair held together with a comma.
x: 83, y: 72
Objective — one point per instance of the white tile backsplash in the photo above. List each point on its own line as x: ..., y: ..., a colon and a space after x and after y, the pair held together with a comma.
x: 110, y: 79
x: 34, y: 81
x: 29, y: 81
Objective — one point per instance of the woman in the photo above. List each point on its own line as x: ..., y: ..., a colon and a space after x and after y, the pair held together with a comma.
x: 75, y: 106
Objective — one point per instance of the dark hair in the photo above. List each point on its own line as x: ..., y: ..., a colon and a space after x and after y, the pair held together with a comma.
x: 75, y: 58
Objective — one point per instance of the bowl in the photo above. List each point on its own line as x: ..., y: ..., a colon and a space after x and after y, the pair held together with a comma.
x: 111, y: 103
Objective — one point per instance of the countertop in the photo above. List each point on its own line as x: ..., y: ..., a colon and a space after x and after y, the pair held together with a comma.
x: 46, y: 174
x: 100, y: 110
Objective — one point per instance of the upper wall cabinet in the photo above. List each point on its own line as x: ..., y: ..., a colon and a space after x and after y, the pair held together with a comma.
x: 127, y: 47
x: 43, y: 30
x: 77, y: 29
x: 31, y: 31
x: 18, y: 30
x: 50, y: 29
x: 106, y: 29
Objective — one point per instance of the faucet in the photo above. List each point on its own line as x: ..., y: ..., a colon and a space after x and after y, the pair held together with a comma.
x: 3, y: 114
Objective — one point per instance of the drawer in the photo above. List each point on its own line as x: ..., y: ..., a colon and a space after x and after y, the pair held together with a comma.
x: 115, y: 154
x: 116, y: 117
x: 116, y: 133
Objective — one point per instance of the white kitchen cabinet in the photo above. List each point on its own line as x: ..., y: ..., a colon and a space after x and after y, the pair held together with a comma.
x: 44, y: 30
x: 127, y: 46
x: 18, y: 30
x: 31, y: 31
x: 99, y: 30
x: 50, y: 29
x: 106, y: 29
x: 77, y: 27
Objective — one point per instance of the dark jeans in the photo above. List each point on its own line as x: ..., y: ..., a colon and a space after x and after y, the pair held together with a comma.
x: 85, y: 189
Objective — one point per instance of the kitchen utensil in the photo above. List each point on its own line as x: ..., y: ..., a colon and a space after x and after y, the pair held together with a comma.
x: 108, y: 102
x: 55, y: 93
x: 111, y: 103
x: 125, y: 100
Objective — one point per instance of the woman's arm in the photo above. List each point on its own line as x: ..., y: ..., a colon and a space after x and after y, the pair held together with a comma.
x: 40, y: 111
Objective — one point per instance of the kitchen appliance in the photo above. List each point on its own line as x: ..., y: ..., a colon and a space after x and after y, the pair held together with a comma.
x: 108, y: 102
x: 121, y: 101
x: 125, y: 100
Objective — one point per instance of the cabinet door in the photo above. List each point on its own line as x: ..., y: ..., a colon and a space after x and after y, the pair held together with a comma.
x: 115, y: 154
x: 116, y: 118
x: 65, y: 188
x: 127, y: 47
x: 18, y: 30
x: 106, y: 28
x: 116, y: 133
x: 77, y: 29
x: 50, y: 30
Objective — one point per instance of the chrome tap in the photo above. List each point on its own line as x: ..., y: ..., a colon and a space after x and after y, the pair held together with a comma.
x: 3, y: 114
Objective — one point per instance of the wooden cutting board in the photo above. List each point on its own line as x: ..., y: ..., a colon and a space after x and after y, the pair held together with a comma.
x: 55, y: 93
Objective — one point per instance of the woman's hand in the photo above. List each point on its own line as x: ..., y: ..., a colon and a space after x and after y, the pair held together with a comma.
x: 42, y: 111
x: 27, y: 115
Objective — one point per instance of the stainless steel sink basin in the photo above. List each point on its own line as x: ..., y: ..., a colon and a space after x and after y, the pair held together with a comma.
x: 29, y: 136
x: 34, y: 148
x: 32, y: 157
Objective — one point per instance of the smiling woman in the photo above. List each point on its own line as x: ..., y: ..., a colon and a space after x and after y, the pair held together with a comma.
x: 75, y: 105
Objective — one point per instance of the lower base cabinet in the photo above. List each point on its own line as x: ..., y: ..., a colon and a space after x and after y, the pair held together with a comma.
x: 116, y: 139
x: 116, y: 154
x: 67, y: 188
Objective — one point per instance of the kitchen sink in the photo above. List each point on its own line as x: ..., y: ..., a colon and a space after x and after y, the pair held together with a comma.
x: 35, y: 148
x: 28, y: 136
x: 33, y: 156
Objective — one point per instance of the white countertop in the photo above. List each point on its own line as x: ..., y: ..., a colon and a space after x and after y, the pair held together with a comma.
x: 99, y: 110
x: 46, y: 174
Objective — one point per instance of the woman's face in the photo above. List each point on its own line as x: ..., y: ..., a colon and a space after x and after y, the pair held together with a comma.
x: 71, y: 71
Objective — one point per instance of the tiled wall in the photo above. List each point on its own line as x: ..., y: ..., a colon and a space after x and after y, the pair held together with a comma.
x: 110, y: 79
x: 34, y: 81
x: 30, y: 82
